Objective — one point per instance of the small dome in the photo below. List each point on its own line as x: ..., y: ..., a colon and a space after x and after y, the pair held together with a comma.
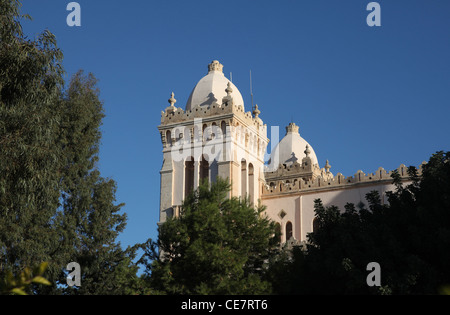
x: 291, y: 149
x: 212, y: 88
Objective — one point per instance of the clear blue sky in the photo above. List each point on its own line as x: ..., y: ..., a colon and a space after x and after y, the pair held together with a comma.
x: 363, y: 96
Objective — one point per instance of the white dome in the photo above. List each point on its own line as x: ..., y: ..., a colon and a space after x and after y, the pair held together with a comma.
x: 211, y: 89
x: 291, y: 149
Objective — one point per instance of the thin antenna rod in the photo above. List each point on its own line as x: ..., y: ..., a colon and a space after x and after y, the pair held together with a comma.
x: 231, y: 77
x: 251, y: 88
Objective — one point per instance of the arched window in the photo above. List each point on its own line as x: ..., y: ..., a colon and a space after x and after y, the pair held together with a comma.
x: 204, y: 169
x: 205, y: 134
x: 177, y: 133
x: 288, y: 230
x: 223, y: 126
x: 168, y: 137
x: 214, y: 130
x: 188, y: 176
x: 213, y: 171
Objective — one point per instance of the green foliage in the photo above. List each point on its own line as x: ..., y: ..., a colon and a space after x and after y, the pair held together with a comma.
x: 21, y: 283
x: 217, y: 246
x: 444, y: 290
x: 88, y: 219
x: 31, y: 159
x: 409, y: 237
x: 127, y: 280
x: 54, y: 204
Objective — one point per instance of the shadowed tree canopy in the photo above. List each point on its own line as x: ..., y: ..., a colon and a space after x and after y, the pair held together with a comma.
x: 216, y: 246
x: 55, y: 206
x: 409, y: 237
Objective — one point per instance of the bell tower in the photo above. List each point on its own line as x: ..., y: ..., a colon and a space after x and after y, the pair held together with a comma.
x: 212, y: 137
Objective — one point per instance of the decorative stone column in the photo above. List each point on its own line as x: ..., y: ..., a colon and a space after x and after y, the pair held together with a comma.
x: 196, y: 174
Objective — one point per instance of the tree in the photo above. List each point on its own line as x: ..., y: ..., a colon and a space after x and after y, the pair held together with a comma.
x: 409, y: 237
x: 55, y: 206
x: 216, y: 246
x: 89, y: 220
x: 20, y: 283
x: 30, y: 156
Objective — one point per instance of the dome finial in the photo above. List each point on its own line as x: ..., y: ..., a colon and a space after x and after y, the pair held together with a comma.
x: 327, y: 166
x: 292, y: 127
x: 172, y: 100
x: 215, y: 65
x: 307, y: 151
x: 228, y: 99
x: 229, y: 90
x: 256, y: 111
x: 211, y: 89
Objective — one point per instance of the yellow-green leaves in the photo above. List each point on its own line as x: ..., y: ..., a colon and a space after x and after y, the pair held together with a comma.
x: 20, y: 283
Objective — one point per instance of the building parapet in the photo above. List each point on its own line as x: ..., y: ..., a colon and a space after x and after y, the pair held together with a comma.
x: 285, y: 184
x: 176, y: 115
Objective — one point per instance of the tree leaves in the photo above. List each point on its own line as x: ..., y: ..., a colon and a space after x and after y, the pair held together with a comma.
x: 21, y: 283
x: 409, y: 238
x: 217, y: 246
x: 54, y: 204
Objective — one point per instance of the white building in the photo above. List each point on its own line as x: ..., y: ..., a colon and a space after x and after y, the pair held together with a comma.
x: 214, y: 136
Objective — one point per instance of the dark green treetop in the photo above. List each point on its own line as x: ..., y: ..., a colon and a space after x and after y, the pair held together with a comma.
x: 218, y: 245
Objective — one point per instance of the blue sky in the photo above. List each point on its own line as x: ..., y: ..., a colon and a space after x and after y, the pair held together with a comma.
x: 363, y: 96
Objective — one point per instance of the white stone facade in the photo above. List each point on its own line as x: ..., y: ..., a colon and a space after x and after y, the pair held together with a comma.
x: 214, y: 136
x: 209, y: 140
